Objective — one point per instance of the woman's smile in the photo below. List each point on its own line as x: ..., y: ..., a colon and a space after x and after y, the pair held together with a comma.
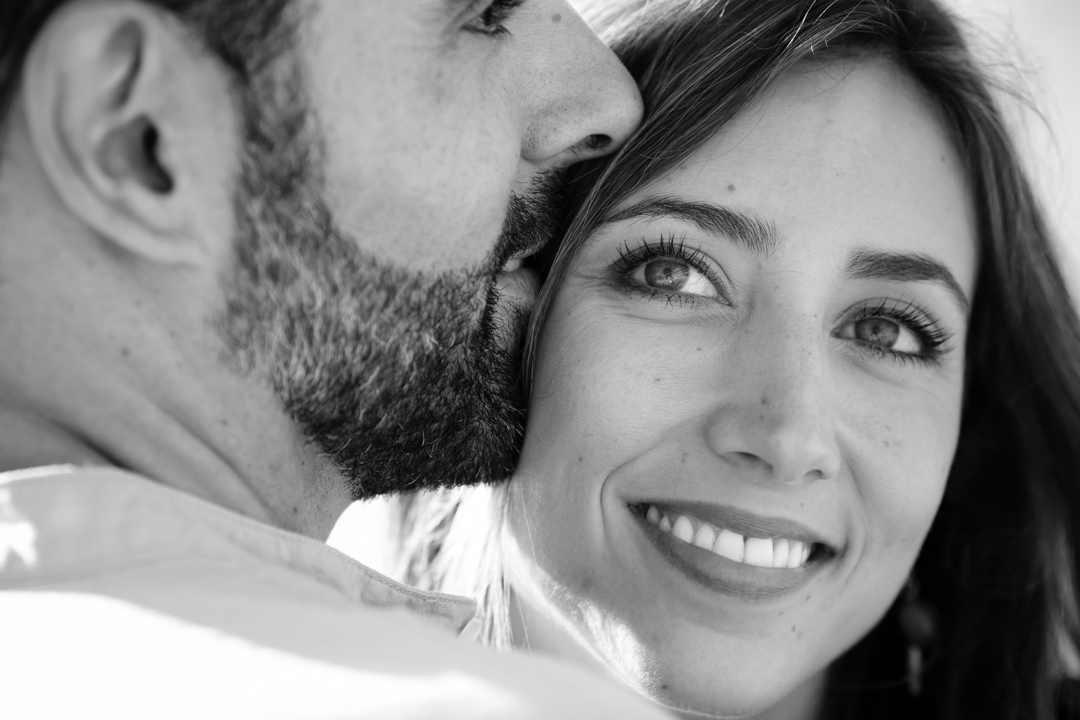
x: 733, y: 552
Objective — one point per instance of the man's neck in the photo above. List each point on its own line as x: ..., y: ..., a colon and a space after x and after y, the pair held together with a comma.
x: 27, y: 441
x: 108, y: 356
x: 176, y: 459
x: 96, y: 376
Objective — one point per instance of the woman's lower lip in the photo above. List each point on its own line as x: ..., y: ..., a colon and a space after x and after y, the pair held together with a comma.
x: 721, y: 574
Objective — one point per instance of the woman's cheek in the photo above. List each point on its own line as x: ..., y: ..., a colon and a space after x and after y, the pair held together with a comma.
x: 901, y: 489
x: 602, y: 382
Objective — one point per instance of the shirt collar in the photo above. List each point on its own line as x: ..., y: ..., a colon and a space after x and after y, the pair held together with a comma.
x: 55, y: 521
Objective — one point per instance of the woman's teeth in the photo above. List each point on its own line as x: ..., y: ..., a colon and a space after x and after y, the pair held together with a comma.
x: 759, y: 552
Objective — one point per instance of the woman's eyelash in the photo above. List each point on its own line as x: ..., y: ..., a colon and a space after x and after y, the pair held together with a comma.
x: 931, y: 335
x: 667, y: 247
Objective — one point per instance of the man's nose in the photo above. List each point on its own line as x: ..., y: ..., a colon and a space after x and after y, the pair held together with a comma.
x: 776, y: 419
x: 584, y: 103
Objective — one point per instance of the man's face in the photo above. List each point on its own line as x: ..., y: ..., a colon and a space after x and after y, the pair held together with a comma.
x: 432, y: 118
x: 415, y: 159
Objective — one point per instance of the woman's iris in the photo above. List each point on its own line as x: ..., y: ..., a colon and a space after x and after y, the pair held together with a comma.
x: 887, y: 334
x: 667, y: 275
x: 674, y: 276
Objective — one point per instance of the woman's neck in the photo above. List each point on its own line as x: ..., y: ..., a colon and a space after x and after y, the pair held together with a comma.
x: 535, y: 629
x: 802, y: 703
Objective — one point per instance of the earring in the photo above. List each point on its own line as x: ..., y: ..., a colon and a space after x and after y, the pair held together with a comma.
x: 918, y: 622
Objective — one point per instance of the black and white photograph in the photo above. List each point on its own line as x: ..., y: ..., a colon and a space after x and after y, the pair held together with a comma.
x: 539, y: 359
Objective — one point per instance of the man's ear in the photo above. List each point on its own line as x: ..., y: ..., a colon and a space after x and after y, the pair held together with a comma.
x: 133, y: 125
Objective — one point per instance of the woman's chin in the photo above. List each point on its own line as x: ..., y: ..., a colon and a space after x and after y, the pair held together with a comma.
x: 762, y: 696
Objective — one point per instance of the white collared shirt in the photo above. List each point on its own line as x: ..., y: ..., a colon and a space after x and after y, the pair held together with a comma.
x: 122, y: 598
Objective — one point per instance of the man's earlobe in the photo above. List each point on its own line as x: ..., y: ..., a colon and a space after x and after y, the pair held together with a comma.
x: 120, y: 110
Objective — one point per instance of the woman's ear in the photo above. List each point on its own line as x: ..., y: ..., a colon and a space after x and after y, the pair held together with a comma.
x: 133, y: 124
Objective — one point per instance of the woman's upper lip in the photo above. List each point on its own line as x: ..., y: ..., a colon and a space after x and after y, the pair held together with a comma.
x: 744, y: 522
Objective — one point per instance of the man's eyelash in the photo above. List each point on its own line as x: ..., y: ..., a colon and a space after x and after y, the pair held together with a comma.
x: 490, y: 20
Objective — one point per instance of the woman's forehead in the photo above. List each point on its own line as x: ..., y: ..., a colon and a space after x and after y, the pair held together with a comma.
x: 850, y: 153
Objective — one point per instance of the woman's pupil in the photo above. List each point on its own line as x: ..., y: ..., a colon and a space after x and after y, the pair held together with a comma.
x: 877, y: 331
x: 667, y: 274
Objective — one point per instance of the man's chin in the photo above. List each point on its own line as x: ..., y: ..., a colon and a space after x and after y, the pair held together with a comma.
x: 404, y: 379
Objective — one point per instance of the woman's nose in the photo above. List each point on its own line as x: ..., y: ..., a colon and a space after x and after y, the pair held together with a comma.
x: 584, y: 102
x: 776, y: 417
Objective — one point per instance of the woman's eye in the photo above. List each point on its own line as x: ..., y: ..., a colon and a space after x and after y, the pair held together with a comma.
x: 884, y: 333
x: 674, y: 276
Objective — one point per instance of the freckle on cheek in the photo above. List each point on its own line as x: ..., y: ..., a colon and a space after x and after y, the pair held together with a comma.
x: 556, y: 19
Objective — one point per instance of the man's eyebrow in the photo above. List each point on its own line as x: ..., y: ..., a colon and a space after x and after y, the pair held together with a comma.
x: 754, y: 234
x: 906, y: 267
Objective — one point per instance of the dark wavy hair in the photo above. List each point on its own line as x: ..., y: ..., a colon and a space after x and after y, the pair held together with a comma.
x: 245, y: 35
x: 1000, y: 561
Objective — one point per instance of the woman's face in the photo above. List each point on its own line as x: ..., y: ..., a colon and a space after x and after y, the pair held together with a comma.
x: 748, y: 396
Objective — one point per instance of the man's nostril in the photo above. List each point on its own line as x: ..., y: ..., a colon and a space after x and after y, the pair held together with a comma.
x: 596, y: 142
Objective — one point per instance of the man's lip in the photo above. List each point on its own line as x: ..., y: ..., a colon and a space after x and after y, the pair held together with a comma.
x: 519, y: 257
x: 522, y: 285
x: 744, y: 522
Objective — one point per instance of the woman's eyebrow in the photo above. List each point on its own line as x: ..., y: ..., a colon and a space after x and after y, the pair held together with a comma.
x: 760, y: 238
x: 754, y: 234
x: 905, y: 267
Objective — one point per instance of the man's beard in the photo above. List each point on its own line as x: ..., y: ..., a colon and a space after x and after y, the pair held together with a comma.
x: 405, y: 380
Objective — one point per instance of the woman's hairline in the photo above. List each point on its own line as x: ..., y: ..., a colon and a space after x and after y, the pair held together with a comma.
x: 586, y: 220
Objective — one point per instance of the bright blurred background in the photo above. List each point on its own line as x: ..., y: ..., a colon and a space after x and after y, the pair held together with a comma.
x: 1036, y: 42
